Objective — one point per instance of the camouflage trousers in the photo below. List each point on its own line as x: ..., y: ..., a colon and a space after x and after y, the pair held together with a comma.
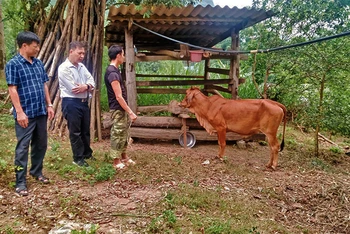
x: 120, y: 133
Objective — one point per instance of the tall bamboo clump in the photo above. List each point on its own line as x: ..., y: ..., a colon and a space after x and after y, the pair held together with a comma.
x: 70, y: 21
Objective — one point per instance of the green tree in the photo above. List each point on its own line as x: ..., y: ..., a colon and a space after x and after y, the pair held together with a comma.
x: 305, y: 78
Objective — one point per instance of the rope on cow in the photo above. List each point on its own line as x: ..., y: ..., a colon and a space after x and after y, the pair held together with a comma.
x: 250, y: 51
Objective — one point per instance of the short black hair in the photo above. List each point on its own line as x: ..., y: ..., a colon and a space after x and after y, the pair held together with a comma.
x: 113, y: 51
x: 26, y: 37
x: 77, y: 44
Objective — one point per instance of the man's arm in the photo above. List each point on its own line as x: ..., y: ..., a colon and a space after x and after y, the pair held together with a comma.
x: 118, y: 94
x: 90, y: 82
x: 22, y: 118
x: 50, y: 110
x: 66, y: 78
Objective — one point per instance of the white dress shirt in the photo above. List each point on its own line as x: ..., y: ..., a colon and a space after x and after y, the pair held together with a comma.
x: 70, y: 75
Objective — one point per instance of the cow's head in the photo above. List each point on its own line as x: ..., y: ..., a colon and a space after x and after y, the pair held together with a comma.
x: 190, y: 93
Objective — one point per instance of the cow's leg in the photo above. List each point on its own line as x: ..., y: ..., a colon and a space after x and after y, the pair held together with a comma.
x: 222, y: 143
x: 274, y: 146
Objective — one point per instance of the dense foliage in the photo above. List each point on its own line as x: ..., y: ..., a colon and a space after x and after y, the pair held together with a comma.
x: 311, y: 80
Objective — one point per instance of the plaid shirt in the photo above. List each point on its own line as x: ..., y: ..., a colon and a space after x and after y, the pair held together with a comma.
x: 29, y: 79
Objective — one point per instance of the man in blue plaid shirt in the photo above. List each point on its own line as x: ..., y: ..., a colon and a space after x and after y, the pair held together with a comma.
x: 26, y: 79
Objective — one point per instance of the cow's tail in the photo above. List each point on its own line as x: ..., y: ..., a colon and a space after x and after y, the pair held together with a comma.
x: 284, y: 125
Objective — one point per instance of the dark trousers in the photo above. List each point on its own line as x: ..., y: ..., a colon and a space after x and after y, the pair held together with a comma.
x: 34, y: 135
x: 77, y: 114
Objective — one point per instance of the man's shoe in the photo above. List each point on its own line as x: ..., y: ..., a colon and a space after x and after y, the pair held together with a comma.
x: 81, y: 163
x: 92, y: 158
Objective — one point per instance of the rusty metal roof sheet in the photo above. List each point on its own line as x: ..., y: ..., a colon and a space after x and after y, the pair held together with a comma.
x: 197, y: 25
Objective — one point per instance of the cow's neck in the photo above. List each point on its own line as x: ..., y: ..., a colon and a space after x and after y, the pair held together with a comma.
x: 202, y: 104
x: 201, y: 109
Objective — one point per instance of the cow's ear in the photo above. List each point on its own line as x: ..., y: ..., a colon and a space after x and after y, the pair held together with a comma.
x: 189, y: 97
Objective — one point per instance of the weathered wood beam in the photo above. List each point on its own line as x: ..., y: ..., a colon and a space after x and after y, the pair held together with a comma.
x: 149, y: 58
x: 170, y: 134
x: 181, y: 82
x: 130, y: 70
x: 234, y: 64
x: 165, y: 122
x: 153, y: 58
x: 152, y: 109
x: 219, y: 71
x: 162, y: 91
x: 219, y: 88
x: 170, y: 76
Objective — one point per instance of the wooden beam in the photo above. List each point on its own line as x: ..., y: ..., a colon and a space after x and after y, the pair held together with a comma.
x: 219, y: 71
x: 162, y: 91
x: 182, y: 82
x: 171, y: 134
x: 170, y: 76
x: 130, y: 70
x: 170, y: 53
x: 153, y: 58
x: 165, y: 122
x: 234, y: 64
x: 219, y: 88
x: 152, y: 109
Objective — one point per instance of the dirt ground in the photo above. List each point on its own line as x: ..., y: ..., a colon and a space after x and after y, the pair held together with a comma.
x: 313, y: 199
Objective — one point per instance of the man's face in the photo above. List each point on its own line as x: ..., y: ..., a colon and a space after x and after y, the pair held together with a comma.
x: 121, y: 57
x: 76, y: 55
x: 31, y: 49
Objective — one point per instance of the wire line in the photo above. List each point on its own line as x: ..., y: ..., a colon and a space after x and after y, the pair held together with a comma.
x: 250, y: 51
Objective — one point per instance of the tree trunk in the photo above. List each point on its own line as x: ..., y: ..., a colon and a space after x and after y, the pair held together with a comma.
x: 2, y: 47
x: 319, y: 116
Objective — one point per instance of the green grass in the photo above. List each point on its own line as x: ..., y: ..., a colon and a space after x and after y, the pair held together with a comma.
x: 184, y: 210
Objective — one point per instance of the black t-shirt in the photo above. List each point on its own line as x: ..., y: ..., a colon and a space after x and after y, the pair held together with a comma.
x: 113, y: 74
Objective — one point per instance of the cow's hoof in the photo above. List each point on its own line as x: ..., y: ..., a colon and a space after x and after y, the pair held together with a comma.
x: 220, y: 158
x: 269, y: 166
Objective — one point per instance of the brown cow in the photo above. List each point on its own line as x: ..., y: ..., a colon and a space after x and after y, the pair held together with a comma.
x: 245, y: 117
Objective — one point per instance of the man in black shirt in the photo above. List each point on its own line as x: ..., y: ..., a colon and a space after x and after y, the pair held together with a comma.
x: 121, y: 114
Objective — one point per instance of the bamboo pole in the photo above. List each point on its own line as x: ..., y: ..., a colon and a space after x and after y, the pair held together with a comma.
x: 45, y: 45
x: 68, y: 21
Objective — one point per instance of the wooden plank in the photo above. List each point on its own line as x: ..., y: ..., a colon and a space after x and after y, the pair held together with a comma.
x: 147, y: 58
x: 165, y: 122
x: 181, y: 82
x: 153, y: 58
x: 219, y: 71
x: 150, y: 109
x: 130, y: 70
x: 234, y: 64
x: 162, y: 91
x: 219, y: 88
x: 169, y: 76
x: 171, y: 134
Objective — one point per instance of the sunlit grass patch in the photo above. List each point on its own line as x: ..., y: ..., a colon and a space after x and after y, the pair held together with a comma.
x: 229, y: 212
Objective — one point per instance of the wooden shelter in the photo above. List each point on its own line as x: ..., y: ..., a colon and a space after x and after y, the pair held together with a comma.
x: 187, y: 33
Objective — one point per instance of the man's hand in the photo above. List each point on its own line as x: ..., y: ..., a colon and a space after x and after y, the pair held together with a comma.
x: 133, y: 116
x: 80, y: 88
x: 50, y: 112
x: 22, y: 119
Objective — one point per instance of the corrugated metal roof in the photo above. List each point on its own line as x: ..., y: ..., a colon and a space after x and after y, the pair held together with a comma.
x: 201, y: 26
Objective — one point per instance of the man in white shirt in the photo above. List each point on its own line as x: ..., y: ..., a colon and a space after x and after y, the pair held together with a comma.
x: 76, y: 84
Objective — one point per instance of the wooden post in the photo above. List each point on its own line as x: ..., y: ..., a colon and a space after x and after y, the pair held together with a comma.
x: 234, y: 65
x: 130, y: 70
x: 185, y: 132
x: 206, y: 73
